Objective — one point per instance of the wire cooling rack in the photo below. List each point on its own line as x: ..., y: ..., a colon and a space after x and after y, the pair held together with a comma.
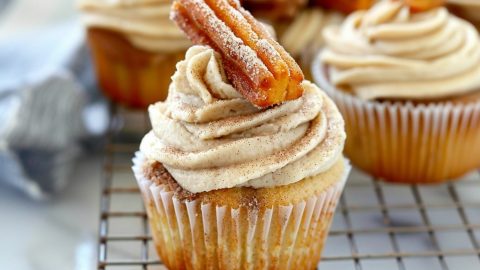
x: 376, y: 226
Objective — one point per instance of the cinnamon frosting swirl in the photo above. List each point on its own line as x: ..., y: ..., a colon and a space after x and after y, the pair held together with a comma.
x: 209, y: 137
x: 145, y: 23
x: 389, y: 52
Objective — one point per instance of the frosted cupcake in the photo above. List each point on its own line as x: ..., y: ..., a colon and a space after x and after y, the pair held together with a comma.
x: 134, y: 46
x: 230, y: 186
x: 467, y: 9
x: 408, y: 86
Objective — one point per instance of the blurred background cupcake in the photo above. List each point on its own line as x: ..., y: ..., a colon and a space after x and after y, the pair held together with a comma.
x: 135, y: 47
x: 467, y: 9
x: 262, y: 183
x: 303, y: 37
x: 408, y: 85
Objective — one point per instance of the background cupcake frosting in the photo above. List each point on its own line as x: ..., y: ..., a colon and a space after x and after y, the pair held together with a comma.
x: 389, y: 52
x: 145, y: 23
x: 208, y: 137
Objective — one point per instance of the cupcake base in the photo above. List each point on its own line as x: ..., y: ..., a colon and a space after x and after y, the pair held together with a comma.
x: 284, y: 228
x: 404, y: 142
x: 128, y: 75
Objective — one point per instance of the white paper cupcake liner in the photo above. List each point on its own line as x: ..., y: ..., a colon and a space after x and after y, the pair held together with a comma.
x: 193, y: 235
x: 404, y: 142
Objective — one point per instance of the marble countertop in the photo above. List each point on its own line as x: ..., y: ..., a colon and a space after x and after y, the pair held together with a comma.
x: 56, y: 234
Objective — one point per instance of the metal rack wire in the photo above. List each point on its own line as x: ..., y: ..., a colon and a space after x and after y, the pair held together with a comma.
x: 377, y: 225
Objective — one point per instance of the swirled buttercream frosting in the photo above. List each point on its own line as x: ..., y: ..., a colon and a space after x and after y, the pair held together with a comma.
x: 389, y: 52
x: 145, y: 23
x: 209, y: 137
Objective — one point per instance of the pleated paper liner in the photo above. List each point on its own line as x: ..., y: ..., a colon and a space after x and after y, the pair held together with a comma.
x: 128, y: 75
x: 193, y: 235
x: 405, y: 142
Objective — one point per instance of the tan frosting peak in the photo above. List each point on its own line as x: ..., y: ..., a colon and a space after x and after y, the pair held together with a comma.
x: 388, y: 52
x: 145, y: 23
x: 209, y: 137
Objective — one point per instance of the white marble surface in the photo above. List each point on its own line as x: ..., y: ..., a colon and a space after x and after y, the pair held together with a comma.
x: 57, y: 234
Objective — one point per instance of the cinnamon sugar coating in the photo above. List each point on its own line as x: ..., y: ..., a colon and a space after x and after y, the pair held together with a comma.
x: 258, y: 67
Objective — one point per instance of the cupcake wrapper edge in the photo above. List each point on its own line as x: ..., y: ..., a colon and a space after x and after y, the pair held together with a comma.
x: 403, y: 142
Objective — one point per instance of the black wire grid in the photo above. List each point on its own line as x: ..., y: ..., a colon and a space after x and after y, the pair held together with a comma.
x: 376, y: 226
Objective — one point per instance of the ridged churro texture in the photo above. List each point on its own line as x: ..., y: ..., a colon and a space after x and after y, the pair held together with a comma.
x: 128, y: 75
x: 241, y: 228
x: 258, y: 67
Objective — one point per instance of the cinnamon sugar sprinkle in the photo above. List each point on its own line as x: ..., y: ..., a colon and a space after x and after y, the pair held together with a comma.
x: 157, y: 173
x: 160, y: 176
x: 234, y: 47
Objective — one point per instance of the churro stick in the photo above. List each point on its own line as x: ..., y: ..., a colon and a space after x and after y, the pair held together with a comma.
x: 296, y: 75
x: 257, y: 66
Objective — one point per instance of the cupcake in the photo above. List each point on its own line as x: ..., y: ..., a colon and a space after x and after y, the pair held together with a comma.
x: 467, y: 9
x: 408, y: 86
x: 302, y: 38
x: 243, y: 167
x: 228, y: 185
x: 134, y: 47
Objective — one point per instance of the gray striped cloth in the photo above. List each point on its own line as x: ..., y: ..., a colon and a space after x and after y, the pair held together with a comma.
x: 48, y: 101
